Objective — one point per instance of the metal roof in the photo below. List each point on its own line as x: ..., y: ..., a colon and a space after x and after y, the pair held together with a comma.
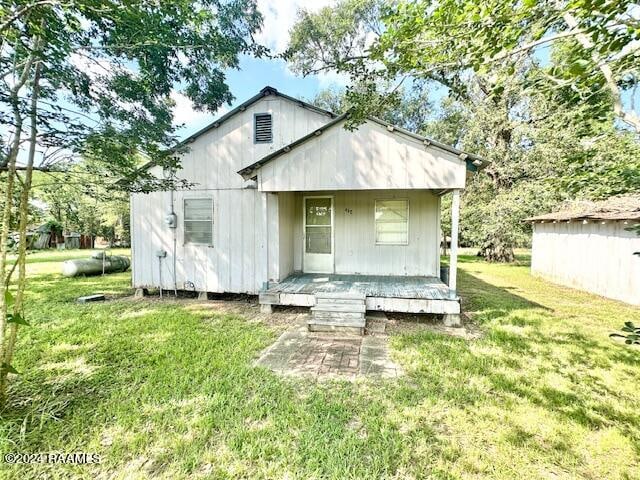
x: 624, y: 207
x: 474, y: 162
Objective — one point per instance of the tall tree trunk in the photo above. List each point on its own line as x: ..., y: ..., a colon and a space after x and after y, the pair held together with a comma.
x: 6, y: 227
x: 10, y: 163
x: 18, y: 306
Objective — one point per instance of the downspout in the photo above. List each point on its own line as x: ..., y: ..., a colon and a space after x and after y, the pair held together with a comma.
x: 175, y: 247
x: 266, y: 245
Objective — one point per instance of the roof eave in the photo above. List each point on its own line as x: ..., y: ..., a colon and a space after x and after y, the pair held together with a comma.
x: 266, y: 91
x: 474, y: 163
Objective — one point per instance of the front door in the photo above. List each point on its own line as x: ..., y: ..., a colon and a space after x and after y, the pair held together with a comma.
x: 318, y: 234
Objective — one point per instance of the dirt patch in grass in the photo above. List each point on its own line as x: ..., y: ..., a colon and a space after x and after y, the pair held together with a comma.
x: 242, y: 305
x: 410, y: 323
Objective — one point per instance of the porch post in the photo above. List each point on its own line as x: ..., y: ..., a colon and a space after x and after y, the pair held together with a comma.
x: 453, y: 251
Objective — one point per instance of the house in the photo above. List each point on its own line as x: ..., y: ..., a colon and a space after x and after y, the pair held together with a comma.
x: 593, y: 246
x: 289, y: 205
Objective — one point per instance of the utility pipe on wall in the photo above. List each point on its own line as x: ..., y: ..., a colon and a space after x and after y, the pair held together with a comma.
x: 453, y: 251
x: 175, y: 247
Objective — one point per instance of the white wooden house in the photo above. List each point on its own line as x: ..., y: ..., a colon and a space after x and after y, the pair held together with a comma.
x: 591, y: 246
x: 290, y: 205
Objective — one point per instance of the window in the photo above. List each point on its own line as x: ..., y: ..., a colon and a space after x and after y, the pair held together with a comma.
x: 262, y: 128
x: 392, y: 222
x: 198, y: 220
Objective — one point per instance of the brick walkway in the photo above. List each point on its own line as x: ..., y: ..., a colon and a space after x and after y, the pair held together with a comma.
x: 301, y: 353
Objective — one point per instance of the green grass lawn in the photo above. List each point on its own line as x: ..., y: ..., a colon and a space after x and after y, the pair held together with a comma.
x: 162, y: 389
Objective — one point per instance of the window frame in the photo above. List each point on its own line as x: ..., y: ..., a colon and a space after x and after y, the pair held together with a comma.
x: 255, y: 129
x: 184, y: 220
x: 375, y: 222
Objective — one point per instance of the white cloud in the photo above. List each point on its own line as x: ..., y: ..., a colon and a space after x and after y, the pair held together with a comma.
x: 192, y: 120
x: 280, y: 16
x: 183, y: 112
x: 332, y: 78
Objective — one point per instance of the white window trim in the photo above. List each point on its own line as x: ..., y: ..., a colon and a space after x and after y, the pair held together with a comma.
x: 184, y: 220
x: 375, y: 222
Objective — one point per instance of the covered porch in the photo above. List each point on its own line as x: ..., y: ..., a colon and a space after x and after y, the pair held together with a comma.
x: 330, y: 254
x: 412, y: 294
x: 356, y: 223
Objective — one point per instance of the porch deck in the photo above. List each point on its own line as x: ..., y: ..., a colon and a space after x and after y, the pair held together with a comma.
x: 385, y: 293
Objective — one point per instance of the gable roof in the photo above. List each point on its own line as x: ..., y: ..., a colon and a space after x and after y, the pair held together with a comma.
x: 474, y: 162
x: 266, y: 91
x: 623, y: 207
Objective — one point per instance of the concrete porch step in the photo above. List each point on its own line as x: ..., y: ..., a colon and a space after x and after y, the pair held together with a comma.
x: 320, y: 317
x: 352, y: 322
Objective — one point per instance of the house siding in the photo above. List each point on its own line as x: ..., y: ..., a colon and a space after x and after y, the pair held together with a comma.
x: 244, y: 254
x: 594, y: 256
x: 356, y: 251
x: 370, y: 158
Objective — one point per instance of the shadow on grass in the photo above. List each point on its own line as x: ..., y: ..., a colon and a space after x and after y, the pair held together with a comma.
x: 160, y: 390
x: 525, y: 349
x: 490, y: 303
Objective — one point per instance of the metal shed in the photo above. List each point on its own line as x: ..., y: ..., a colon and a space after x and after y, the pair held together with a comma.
x: 592, y: 246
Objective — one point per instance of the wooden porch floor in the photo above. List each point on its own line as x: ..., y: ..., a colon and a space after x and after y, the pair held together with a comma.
x: 427, y: 288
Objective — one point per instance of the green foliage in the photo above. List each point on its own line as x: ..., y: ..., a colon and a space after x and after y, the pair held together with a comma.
x: 6, y: 367
x: 631, y: 335
x: 523, y: 398
x: 16, y: 318
x: 87, y: 204
x: 53, y: 226
x: 108, y: 69
x: 605, y: 166
x: 493, y: 37
x: 411, y: 107
x: 93, y: 79
x: 548, y: 123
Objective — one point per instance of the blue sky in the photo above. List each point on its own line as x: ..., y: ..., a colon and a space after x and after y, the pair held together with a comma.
x: 254, y: 74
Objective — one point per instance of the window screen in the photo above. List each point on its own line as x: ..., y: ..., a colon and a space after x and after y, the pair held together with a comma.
x: 392, y: 222
x: 263, y: 128
x: 318, y: 225
x: 198, y: 220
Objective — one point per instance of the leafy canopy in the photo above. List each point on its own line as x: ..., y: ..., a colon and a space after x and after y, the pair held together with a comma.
x: 108, y: 71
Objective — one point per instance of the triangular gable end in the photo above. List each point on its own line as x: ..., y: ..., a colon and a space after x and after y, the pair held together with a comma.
x: 376, y: 155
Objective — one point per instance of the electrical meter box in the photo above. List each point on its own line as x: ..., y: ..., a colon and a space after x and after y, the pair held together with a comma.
x: 171, y: 220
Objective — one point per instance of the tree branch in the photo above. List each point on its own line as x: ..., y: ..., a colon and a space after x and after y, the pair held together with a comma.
x: 20, y: 12
x: 630, y: 118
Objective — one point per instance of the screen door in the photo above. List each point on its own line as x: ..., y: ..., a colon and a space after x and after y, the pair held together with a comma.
x: 318, y: 234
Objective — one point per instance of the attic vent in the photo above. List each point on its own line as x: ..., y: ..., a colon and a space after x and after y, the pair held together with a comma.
x: 263, y: 128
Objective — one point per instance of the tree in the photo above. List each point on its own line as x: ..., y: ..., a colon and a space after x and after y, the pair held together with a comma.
x: 83, y: 205
x: 412, y: 108
x: 93, y: 78
x: 537, y: 118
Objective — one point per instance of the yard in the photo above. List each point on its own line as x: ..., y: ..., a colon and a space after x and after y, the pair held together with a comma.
x: 167, y: 389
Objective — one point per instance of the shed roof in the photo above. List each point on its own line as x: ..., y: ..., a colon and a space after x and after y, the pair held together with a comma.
x: 624, y: 207
x: 474, y: 162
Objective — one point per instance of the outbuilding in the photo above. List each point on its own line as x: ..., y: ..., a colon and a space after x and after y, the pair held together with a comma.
x: 592, y: 246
